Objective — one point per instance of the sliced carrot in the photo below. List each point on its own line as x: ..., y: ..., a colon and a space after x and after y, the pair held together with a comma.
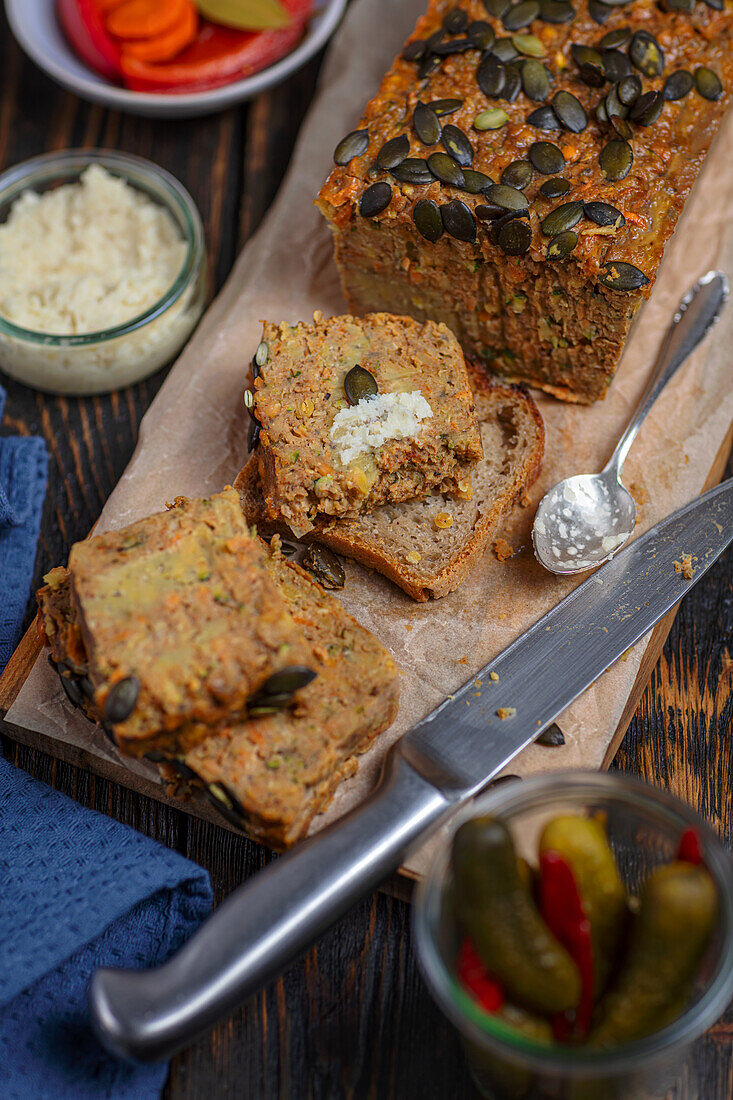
x: 145, y: 18
x: 166, y: 46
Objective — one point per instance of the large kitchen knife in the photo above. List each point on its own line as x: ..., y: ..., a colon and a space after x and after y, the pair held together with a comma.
x: 443, y: 761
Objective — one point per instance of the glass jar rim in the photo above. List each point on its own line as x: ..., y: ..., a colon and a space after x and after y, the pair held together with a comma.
x: 133, y: 169
x: 489, y: 1031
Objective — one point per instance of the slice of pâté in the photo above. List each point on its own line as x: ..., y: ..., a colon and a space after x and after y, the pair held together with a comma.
x: 357, y: 412
x: 180, y: 606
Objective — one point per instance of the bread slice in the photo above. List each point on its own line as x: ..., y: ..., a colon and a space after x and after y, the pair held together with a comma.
x: 428, y: 547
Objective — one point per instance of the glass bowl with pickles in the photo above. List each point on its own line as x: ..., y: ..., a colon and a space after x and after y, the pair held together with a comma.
x: 577, y: 928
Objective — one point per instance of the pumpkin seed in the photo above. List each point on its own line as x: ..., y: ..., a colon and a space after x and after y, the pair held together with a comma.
x: 543, y: 118
x: 504, y: 49
x: 678, y: 85
x: 508, y: 198
x: 629, y: 90
x: 413, y: 170
x: 529, y: 45
x: 249, y: 399
x: 456, y: 45
x: 716, y: 5
x: 353, y: 145
x: 426, y: 217
x: 535, y: 80
x: 262, y: 353
x: 562, y: 218
x: 546, y: 158
x: 591, y: 75
x: 561, y: 245
x: 444, y: 107
x: 514, y: 238
x: 122, y: 699
x: 707, y: 83
x: 513, y: 84
x: 504, y: 219
x: 570, y: 111
x: 647, y: 108
x: 427, y: 65
x: 614, y: 106
x: 286, y: 681
x: 287, y: 549
x: 458, y: 220
x: 457, y: 145
x: 414, y: 50
x: 475, y: 182
x: 445, y: 169
x: 358, y: 384
x: 517, y: 174
x: 324, y: 565
x: 375, y: 199
x: 551, y: 737
x: 434, y: 40
x: 253, y: 435
x: 393, y: 152
x: 491, y: 75
x: 481, y: 34
x: 622, y: 128
x: 615, y: 160
x: 598, y: 11
x: 612, y: 40
x: 496, y: 7
x: 555, y: 188
x: 646, y: 54
x: 426, y: 124
x: 602, y: 213
x: 455, y: 21
x: 87, y: 687
x: 493, y: 119
x: 556, y: 11
x: 601, y: 112
x: 71, y: 687
x: 490, y: 212
x: 616, y: 65
x: 618, y: 275
x: 586, y: 55
x: 679, y: 5
x: 521, y: 15
x: 226, y: 804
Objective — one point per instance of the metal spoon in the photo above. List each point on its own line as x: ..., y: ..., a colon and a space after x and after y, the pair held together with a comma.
x: 584, y: 520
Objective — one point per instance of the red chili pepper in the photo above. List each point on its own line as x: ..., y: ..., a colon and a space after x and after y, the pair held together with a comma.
x: 690, y: 849
x: 562, y: 908
x: 84, y: 27
x: 473, y: 975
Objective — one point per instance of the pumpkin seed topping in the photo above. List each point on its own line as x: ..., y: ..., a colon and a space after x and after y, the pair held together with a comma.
x: 491, y: 75
x: 353, y: 145
x: 602, y: 213
x: 457, y: 145
x: 616, y: 159
x: 529, y: 45
x: 592, y: 75
x: 517, y: 174
x: 447, y: 170
x: 481, y: 34
x: 622, y: 128
x: 521, y: 15
x: 505, y: 50
x: 427, y: 219
x: 253, y: 435
x: 616, y: 65
x: 456, y: 21
x: 513, y: 84
x: 426, y: 124
x: 121, y: 699
x: 393, y: 152
x: 413, y: 170
x: 375, y: 199
x: 514, y: 238
x: 458, y: 220
x: 628, y: 90
x: 618, y: 275
x: 493, y: 119
x: 286, y: 681
x: 543, y: 118
x: 444, y: 107
x: 561, y: 245
x: 359, y: 383
x: 535, y: 80
x: 324, y: 565
x: 427, y: 65
x: 570, y: 111
x: 613, y: 40
x: 496, y: 7
x: 456, y: 45
x: 262, y: 353
x: 506, y: 197
x: 249, y: 399
x: 546, y: 158
x: 647, y: 108
x: 646, y: 54
x: 598, y: 11
x: 475, y: 182
x: 414, y: 50
x: 707, y: 83
x: 562, y: 218
x: 556, y: 11
x: 586, y: 55
x: 551, y: 737
x: 555, y: 188
x: 678, y: 85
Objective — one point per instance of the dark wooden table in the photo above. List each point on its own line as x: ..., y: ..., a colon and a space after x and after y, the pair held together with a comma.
x: 351, y: 1019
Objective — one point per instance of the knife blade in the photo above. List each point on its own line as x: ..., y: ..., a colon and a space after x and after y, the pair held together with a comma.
x: 436, y: 767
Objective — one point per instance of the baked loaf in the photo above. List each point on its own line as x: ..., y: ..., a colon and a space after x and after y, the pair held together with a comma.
x: 353, y: 413
x: 428, y: 547
x: 520, y: 171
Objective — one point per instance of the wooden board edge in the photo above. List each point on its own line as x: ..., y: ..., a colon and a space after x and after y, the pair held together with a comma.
x: 18, y: 668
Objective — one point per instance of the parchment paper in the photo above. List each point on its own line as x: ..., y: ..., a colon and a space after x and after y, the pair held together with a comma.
x: 192, y: 440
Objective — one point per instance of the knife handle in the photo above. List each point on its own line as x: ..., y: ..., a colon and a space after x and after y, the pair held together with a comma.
x: 148, y: 1015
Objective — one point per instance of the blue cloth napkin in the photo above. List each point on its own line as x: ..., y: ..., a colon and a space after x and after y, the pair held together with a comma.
x: 23, y: 473
x: 78, y: 891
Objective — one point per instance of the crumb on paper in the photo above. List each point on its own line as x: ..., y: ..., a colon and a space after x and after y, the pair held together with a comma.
x: 685, y: 567
x: 494, y: 676
x: 502, y: 615
x: 502, y: 549
x: 408, y: 626
x: 719, y: 528
x: 461, y: 660
x: 525, y: 500
x: 506, y: 712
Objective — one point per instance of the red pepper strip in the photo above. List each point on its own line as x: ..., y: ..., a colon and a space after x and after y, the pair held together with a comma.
x: 690, y: 849
x: 473, y: 975
x: 82, y: 24
x: 219, y: 55
x: 562, y: 908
